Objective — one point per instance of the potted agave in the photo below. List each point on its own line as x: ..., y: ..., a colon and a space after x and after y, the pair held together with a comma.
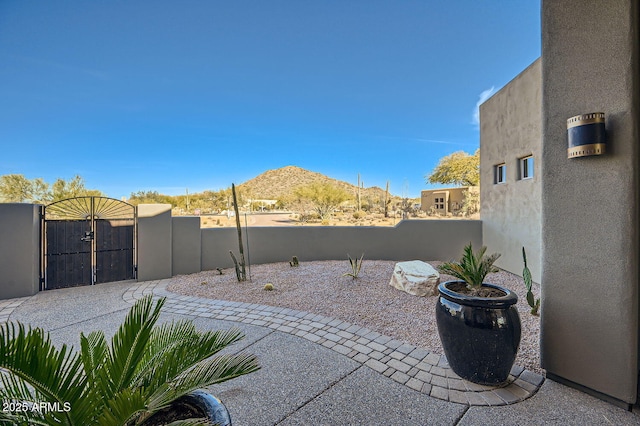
x: 478, y: 323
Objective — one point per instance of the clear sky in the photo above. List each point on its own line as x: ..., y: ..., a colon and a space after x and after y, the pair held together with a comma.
x: 167, y: 95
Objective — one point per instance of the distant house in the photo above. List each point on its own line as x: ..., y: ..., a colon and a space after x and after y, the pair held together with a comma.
x: 445, y: 201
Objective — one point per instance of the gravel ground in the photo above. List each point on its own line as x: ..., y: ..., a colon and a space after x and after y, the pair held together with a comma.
x: 368, y: 301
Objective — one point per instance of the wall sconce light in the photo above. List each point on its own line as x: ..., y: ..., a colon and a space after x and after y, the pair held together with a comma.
x: 586, y: 135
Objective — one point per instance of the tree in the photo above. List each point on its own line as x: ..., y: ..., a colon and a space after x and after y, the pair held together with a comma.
x: 40, y: 192
x: 61, y: 189
x: 324, y: 196
x: 15, y: 189
x: 150, y: 197
x: 459, y: 168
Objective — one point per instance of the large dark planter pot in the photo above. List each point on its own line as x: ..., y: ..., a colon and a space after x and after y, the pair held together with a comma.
x: 196, y: 404
x: 480, y: 335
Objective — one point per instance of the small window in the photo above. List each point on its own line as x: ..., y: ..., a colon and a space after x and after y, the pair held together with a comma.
x: 526, y: 167
x: 500, y: 173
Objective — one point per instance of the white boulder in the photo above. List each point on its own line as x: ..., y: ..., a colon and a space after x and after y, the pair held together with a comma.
x: 415, y: 277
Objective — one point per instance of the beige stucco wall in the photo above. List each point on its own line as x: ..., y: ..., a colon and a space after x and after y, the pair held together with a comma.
x: 19, y: 250
x: 510, y: 129
x: 589, y: 325
x: 186, y: 245
x: 154, y: 242
x: 409, y: 240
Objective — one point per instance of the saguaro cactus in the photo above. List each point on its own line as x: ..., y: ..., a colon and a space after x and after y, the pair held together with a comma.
x: 241, y: 271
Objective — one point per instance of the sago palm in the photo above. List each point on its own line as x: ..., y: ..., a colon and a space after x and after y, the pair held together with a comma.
x: 144, y: 370
x: 472, y: 268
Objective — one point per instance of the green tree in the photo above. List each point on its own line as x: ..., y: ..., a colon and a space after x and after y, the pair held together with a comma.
x: 62, y: 189
x: 324, y: 196
x: 15, y: 189
x: 144, y: 369
x: 459, y: 168
x: 150, y: 197
x: 40, y: 192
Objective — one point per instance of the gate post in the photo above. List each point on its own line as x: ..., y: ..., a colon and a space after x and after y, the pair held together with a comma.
x: 19, y: 250
x: 154, y: 242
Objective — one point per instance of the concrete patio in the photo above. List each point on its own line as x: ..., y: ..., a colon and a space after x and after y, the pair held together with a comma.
x: 321, y: 371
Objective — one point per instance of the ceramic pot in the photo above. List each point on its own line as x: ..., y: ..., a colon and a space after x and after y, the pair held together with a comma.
x: 196, y: 404
x: 480, y: 335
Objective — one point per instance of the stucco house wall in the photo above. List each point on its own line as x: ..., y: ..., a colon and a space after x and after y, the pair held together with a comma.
x: 453, y: 199
x: 511, y: 212
x: 590, y: 205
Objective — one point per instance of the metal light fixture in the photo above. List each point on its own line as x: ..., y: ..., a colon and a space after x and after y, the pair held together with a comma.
x: 587, y: 135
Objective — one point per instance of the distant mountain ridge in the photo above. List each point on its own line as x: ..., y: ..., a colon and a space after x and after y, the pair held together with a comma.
x: 280, y: 183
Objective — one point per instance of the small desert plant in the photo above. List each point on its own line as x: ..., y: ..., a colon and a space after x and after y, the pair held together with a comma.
x: 268, y: 287
x: 526, y: 275
x: 294, y: 262
x: 356, y: 264
x: 472, y: 268
x: 219, y: 271
x: 241, y: 272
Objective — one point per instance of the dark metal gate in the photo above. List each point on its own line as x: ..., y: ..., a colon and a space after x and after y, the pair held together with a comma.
x: 88, y: 240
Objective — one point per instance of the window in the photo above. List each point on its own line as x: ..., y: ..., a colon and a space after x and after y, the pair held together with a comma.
x: 439, y: 204
x: 525, y: 165
x: 500, y: 173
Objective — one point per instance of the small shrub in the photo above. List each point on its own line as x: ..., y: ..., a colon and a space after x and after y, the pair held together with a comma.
x: 359, y: 214
x: 294, y: 262
x: 268, y: 287
x: 204, y: 283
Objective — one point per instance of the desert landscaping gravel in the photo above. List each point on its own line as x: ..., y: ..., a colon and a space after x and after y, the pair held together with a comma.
x: 368, y: 301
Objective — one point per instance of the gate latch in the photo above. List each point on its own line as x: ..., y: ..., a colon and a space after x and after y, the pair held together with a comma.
x: 88, y: 236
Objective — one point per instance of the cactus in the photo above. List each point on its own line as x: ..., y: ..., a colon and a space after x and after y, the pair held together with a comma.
x: 356, y: 264
x: 241, y: 272
x: 526, y: 275
x: 294, y: 261
x: 268, y: 287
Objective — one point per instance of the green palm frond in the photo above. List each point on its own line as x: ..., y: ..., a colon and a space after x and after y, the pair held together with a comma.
x: 144, y: 369
x: 472, y: 268
x: 206, y: 373
x: 129, y: 343
x: 29, y: 359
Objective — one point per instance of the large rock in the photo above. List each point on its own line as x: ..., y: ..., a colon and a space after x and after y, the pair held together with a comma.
x: 415, y: 277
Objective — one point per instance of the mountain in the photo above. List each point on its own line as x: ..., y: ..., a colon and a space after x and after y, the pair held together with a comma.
x: 279, y: 183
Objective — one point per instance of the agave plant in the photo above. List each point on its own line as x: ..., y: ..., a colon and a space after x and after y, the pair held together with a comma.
x: 144, y: 370
x: 356, y: 264
x: 472, y: 268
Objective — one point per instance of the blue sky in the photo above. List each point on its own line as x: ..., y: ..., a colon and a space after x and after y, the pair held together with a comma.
x: 169, y: 95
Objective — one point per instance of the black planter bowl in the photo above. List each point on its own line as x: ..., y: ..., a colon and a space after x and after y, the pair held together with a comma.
x: 196, y: 404
x: 480, y: 335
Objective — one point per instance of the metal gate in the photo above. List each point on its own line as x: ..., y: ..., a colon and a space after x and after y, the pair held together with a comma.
x: 88, y: 240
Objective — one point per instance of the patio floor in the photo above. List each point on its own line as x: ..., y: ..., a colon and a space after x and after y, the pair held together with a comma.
x: 322, y: 371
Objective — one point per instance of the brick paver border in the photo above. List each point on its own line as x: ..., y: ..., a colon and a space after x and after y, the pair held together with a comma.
x: 416, y: 368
